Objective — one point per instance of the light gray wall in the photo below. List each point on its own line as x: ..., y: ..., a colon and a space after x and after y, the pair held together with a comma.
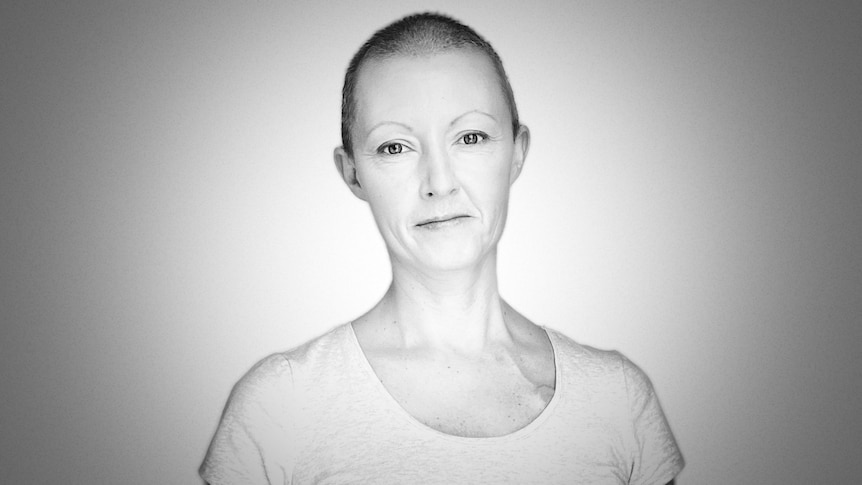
x: 169, y: 214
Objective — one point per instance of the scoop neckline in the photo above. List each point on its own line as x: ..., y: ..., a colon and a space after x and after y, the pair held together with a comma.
x: 422, y: 427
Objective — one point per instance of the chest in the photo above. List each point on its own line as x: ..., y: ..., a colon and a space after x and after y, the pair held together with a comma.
x: 382, y: 448
x: 464, y: 397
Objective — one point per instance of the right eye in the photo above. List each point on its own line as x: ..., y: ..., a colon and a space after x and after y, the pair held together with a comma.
x: 391, y: 149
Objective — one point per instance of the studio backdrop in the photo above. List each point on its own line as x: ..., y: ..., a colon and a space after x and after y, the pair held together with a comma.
x: 170, y: 213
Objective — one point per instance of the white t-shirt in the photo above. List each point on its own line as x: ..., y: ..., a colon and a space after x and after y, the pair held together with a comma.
x: 318, y: 414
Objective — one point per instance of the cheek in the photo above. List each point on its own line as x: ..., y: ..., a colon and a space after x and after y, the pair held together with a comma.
x: 490, y: 183
x: 387, y: 200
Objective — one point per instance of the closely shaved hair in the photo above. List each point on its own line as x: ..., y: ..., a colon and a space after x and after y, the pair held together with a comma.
x: 417, y: 35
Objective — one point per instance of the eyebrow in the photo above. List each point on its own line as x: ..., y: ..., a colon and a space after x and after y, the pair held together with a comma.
x: 489, y: 115
x: 378, y: 125
x: 410, y: 129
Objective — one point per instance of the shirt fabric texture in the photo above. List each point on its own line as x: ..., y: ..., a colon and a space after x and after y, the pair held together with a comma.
x: 318, y: 414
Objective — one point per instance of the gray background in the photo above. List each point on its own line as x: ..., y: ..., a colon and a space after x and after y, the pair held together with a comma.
x: 169, y: 214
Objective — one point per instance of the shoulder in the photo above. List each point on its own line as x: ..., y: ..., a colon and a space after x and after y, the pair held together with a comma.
x: 322, y: 353
x: 262, y: 424
x: 260, y: 391
x: 584, y: 357
x: 274, y: 376
x: 619, y: 391
x: 605, y: 368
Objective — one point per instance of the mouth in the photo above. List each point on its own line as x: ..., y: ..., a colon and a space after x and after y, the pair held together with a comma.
x: 442, y: 221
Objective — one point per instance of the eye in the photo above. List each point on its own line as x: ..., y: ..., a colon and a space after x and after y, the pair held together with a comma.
x: 391, y: 149
x: 473, y: 138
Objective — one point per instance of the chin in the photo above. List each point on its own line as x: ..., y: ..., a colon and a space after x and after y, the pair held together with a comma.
x: 453, y: 257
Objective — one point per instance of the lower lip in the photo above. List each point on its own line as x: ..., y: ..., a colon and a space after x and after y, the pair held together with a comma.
x: 435, y: 226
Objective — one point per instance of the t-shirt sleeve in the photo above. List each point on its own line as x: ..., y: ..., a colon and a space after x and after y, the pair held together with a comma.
x: 656, y: 457
x: 252, y: 444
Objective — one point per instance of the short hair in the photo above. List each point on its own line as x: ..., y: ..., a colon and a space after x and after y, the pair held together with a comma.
x: 416, y: 35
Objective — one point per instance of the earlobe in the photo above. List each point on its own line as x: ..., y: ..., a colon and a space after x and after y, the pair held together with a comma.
x: 519, y: 154
x: 347, y: 169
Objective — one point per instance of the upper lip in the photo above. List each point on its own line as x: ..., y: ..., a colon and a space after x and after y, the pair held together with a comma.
x: 442, y: 218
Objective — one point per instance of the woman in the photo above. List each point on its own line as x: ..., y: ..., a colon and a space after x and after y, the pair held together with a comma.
x: 441, y: 381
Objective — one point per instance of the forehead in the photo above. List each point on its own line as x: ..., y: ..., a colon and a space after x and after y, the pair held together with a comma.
x: 413, y: 87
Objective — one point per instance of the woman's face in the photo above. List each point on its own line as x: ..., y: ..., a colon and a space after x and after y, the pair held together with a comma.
x: 434, y: 156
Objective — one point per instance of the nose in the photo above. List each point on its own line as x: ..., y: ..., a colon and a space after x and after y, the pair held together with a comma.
x: 439, y: 178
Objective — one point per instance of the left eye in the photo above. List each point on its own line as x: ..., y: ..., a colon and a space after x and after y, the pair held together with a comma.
x: 472, y: 138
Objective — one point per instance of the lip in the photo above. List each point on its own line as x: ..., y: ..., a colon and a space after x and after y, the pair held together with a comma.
x: 438, y: 220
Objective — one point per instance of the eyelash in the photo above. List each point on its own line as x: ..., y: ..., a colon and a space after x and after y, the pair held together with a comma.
x: 385, y: 148
x: 480, y: 137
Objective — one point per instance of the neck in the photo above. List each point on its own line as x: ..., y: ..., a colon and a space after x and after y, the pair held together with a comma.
x: 459, y: 310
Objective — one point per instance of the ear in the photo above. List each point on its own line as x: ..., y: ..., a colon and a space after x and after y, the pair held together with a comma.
x: 347, y: 169
x: 519, y: 154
